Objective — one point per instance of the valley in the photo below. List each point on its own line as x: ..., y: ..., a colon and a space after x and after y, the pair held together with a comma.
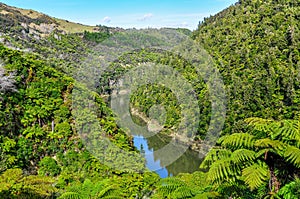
x: 108, y: 112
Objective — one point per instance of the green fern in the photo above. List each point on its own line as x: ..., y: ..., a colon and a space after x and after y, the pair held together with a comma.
x: 252, y: 156
x: 238, y: 140
x: 88, y: 189
x: 243, y: 155
x: 223, y: 170
x: 290, y: 190
x: 182, y: 192
x: 256, y: 175
x: 184, y: 186
x: 169, y: 185
x: 206, y: 195
x: 289, y: 131
x: 14, y: 183
x: 292, y: 154
x: 213, y: 156
x: 71, y: 195
x: 268, y: 143
x: 260, y: 124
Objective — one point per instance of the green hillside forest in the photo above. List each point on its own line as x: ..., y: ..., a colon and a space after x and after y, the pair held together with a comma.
x: 255, y: 46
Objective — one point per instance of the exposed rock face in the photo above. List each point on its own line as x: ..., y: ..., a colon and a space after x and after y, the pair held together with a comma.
x: 43, y: 27
x: 26, y: 22
x: 19, y: 26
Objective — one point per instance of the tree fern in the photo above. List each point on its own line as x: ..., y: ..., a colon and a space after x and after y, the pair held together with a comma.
x: 288, y: 131
x: 182, y: 187
x: 255, y: 175
x: 71, y: 195
x: 259, y: 124
x: 268, y: 143
x: 14, y: 182
x: 243, y: 155
x: 213, y: 155
x: 206, y: 195
x: 238, y: 140
x: 223, y: 170
x: 88, y: 189
x: 292, y: 154
x: 254, y: 156
x: 169, y: 185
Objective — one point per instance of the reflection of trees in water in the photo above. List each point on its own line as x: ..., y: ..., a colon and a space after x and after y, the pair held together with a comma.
x: 187, y: 163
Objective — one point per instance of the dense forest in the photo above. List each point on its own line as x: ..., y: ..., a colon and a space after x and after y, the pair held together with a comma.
x: 46, y: 113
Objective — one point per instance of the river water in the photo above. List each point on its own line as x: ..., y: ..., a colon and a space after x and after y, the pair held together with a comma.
x: 188, y: 162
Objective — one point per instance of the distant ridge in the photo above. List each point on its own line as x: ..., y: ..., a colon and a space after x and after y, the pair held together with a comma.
x: 12, y: 15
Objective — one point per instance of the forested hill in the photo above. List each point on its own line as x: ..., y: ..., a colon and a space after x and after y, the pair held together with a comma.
x: 60, y: 42
x: 256, y: 44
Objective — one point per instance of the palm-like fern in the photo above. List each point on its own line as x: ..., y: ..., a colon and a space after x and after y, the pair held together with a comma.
x: 14, y: 184
x: 184, y: 186
x: 90, y: 190
x: 253, y: 156
x: 290, y: 190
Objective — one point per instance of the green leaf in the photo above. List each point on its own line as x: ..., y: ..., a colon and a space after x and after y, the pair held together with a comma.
x: 256, y: 175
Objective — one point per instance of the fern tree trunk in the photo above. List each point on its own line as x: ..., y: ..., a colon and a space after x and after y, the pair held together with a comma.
x: 274, y: 183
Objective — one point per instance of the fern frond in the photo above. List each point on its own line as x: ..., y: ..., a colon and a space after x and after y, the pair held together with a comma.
x: 100, y: 185
x: 75, y: 189
x: 170, y: 185
x: 206, y: 195
x: 223, y: 170
x: 70, y: 195
x: 290, y: 190
x: 238, y: 140
x: 293, y: 155
x: 107, y: 192
x: 213, y: 155
x: 243, y: 155
x: 182, y: 192
x: 112, y: 197
x: 39, y: 184
x: 255, y: 175
x: 288, y: 130
x: 259, y: 124
x: 273, y: 144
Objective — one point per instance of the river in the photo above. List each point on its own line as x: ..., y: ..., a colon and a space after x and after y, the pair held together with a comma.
x: 188, y: 162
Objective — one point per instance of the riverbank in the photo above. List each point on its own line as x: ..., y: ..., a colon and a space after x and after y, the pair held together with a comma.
x: 155, y: 127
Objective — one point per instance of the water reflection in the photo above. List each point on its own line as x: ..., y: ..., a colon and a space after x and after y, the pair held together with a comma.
x: 187, y: 163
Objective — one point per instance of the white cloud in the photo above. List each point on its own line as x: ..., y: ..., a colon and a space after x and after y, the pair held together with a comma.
x: 184, y: 24
x: 146, y: 17
x: 107, y: 19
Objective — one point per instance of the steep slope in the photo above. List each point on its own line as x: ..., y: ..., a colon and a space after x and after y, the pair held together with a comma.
x: 60, y: 42
x: 256, y: 45
x: 38, y: 22
x: 37, y: 128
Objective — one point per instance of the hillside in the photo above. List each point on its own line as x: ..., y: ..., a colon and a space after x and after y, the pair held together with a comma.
x: 47, y: 116
x: 40, y: 23
x: 59, y: 41
x: 256, y: 45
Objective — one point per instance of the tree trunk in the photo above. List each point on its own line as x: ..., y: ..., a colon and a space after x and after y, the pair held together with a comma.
x: 52, y: 126
x: 274, y: 183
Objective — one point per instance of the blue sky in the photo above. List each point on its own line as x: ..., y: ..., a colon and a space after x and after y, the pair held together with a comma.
x: 128, y: 13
